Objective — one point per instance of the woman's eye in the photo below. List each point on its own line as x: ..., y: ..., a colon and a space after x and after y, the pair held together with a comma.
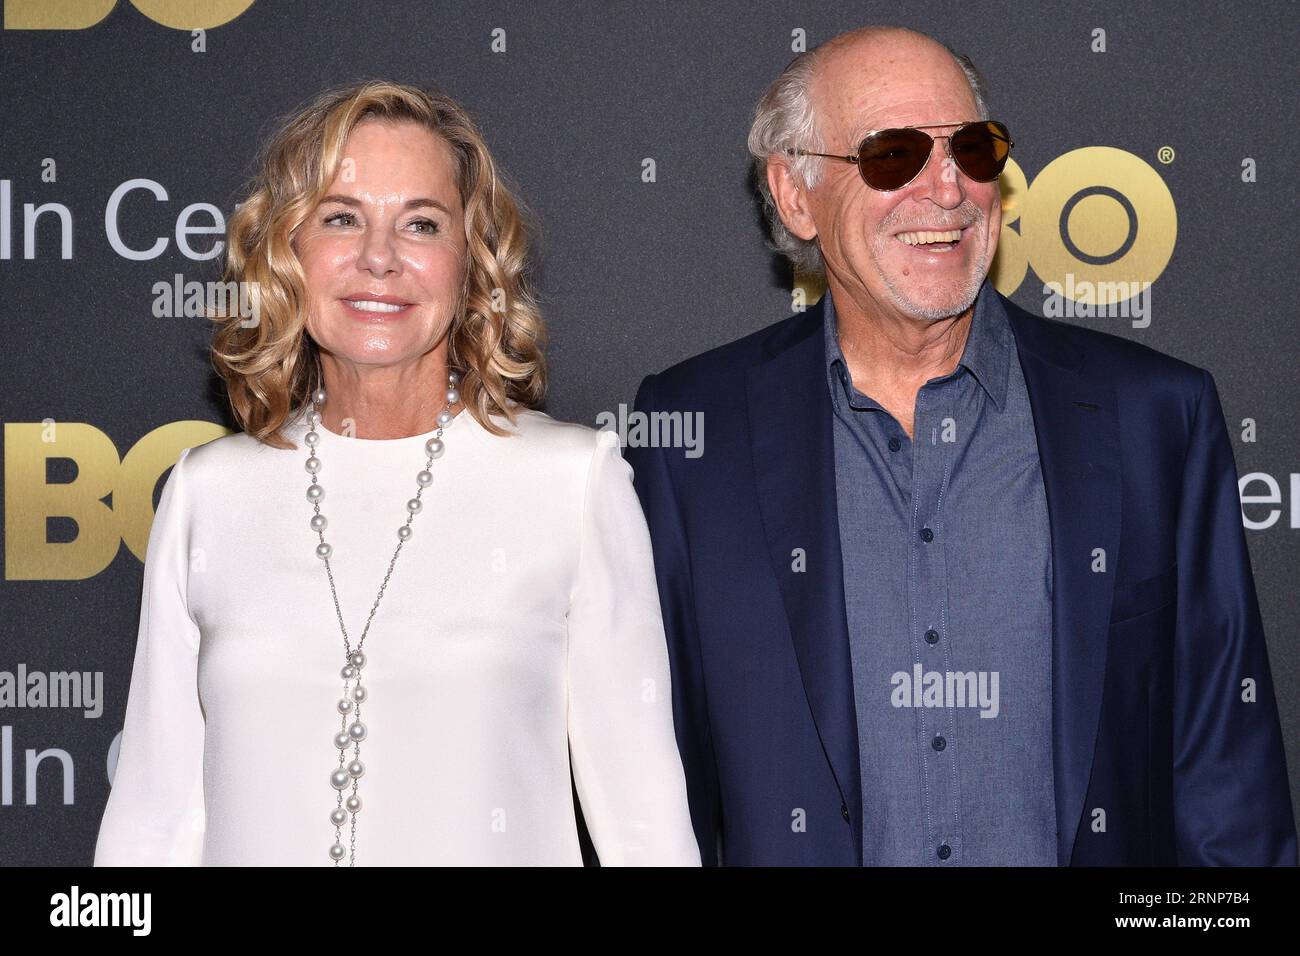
x: 427, y: 226
x: 342, y: 218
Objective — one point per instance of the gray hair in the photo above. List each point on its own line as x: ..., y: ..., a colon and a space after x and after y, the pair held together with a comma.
x: 784, y: 119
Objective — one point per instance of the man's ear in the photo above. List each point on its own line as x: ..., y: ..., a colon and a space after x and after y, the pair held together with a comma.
x: 791, y: 199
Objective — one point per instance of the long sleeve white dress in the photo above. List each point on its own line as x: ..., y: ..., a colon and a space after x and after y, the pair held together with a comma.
x: 519, y: 636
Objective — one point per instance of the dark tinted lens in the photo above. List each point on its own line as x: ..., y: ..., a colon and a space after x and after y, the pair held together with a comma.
x: 980, y: 150
x: 891, y: 159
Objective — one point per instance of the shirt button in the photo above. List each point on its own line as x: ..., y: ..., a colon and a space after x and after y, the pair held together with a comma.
x: 938, y: 743
x: 932, y: 636
x: 895, y: 444
x: 927, y: 535
x: 944, y: 851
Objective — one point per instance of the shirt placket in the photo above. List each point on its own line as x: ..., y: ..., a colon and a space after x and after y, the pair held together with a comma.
x: 930, y: 641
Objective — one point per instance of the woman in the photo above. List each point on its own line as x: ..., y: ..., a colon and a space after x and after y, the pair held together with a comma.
x: 281, y: 711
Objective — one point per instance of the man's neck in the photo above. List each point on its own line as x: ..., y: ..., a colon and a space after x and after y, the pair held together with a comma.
x: 891, y: 355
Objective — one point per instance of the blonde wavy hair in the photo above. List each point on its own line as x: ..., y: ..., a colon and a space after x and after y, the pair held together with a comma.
x: 497, y: 336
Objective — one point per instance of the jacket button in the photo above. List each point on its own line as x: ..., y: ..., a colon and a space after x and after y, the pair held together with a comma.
x: 844, y: 812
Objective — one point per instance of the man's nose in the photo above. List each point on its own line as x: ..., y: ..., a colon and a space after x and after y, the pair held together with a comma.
x: 941, y: 175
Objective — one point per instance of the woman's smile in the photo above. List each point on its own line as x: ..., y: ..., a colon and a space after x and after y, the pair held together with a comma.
x: 377, y: 308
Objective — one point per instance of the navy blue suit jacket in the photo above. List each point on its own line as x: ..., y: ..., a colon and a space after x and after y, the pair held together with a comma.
x: 1158, y: 760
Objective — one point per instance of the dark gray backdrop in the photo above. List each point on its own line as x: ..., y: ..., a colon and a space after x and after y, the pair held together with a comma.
x: 634, y: 275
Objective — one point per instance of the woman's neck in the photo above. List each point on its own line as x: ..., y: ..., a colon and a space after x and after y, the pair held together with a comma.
x: 383, y: 402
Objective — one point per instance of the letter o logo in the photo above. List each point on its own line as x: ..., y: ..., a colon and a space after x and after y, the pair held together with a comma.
x: 1098, y: 214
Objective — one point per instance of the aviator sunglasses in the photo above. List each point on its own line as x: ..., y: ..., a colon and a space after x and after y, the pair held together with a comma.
x: 889, y: 159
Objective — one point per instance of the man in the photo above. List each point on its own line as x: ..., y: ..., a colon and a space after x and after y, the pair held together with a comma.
x: 953, y: 584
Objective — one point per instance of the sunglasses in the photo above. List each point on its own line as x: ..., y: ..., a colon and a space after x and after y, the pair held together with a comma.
x: 889, y: 159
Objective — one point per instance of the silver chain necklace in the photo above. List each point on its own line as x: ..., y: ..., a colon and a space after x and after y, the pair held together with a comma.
x: 354, y: 695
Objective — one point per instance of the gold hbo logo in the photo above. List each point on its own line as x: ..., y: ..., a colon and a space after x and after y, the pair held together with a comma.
x: 32, y: 500
x: 81, y: 14
x: 1092, y: 217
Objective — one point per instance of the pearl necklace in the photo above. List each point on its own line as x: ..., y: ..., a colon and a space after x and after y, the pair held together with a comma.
x: 349, y: 706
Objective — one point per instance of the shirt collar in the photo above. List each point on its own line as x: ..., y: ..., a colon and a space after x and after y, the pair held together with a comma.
x: 987, y: 355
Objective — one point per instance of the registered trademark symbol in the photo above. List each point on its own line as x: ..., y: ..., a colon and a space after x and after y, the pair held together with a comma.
x: 1165, y: 154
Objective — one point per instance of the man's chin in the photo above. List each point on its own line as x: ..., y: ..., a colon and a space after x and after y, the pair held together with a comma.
x: 930, y: 293
x: 934, y: 307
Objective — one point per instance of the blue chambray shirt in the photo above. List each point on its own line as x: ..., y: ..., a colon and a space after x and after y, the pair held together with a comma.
x: 947, y: 587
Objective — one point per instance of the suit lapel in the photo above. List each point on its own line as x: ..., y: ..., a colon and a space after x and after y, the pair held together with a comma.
x: 794, y: 467
x: 1076, y: 422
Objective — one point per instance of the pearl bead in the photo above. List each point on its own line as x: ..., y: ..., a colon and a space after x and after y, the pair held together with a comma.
x: 345, y: 706
x: 414, y: 506
x: 340, y: 779
x: 357, y: 731
x: 348, y: 672
x: 313, y: 465
x: 318, y: 523
x: 434, y: 447
x: 315, y: 492
x: 404, y: 532
x: 313, y: 418
x: 337, y: 851
x: 338, y: 816
x: 453, y: 396
x: 324, y: 550
x: 424, y: 479
x: 356, y: 768
x: 312, y: 438
x: 318, y: 396
x: 358, y: 660
x: 341, y: 740
x: 353, y: 803
x: 453, y: 378
x: 359, y: 694
x: 444, y: 417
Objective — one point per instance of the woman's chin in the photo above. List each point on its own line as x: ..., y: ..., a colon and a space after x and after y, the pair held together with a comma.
x: 377, y: 350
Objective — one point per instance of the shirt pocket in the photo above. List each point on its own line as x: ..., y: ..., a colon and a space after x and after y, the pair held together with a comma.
x: 1142, y: 597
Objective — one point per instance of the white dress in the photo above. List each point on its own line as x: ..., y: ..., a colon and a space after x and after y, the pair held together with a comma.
x: 519, y: 636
